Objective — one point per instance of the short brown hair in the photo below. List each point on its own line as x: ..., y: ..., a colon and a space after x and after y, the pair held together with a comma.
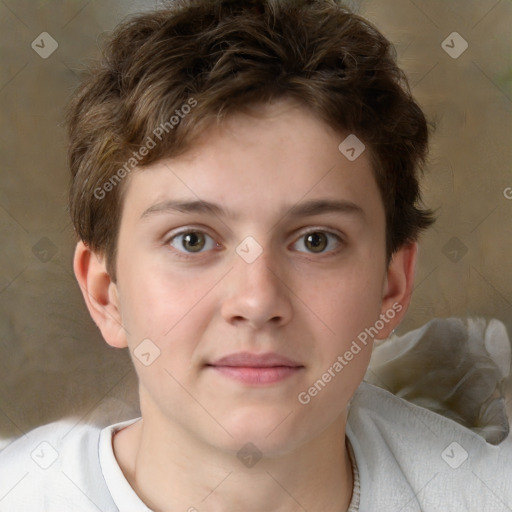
x: 216, y: 57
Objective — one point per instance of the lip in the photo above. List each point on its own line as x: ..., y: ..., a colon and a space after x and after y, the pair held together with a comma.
x: 248, y: 359
x: 256, y: 369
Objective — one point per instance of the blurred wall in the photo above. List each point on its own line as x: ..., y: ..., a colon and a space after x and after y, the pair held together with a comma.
x: 53, y: 361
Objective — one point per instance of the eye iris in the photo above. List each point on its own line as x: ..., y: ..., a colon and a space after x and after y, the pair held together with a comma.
x: 316, y: 242
x: 193, y: 242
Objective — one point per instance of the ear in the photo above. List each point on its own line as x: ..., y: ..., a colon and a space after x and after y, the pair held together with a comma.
x: 398, y: 287
x: 100, y: 294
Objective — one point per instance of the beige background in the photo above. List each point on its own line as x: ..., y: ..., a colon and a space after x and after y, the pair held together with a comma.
x: 53, y: 361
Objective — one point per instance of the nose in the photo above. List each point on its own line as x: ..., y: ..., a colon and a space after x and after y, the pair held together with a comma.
x: 256, y: 294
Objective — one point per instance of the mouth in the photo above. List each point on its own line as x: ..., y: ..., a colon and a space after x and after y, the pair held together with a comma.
x: 256, y: 369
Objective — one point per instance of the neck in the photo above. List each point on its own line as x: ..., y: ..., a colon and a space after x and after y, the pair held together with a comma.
x: 170, y: 471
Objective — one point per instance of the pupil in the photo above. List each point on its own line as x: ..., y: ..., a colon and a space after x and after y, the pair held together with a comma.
x: 316, y: 242
x: 194, y: 242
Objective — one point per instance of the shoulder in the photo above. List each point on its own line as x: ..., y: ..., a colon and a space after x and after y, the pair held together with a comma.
x: 56, y: 465
x: 410, y: 458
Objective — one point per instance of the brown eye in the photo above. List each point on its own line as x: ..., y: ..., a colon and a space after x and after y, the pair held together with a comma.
x: 192, y: 242
x: 316, y: 242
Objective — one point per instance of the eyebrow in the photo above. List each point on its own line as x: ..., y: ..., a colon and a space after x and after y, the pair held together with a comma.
x: 321, y: 206
x: 305, y: 209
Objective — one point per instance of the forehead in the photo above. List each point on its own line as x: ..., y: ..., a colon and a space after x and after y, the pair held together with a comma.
x: 256, y: 165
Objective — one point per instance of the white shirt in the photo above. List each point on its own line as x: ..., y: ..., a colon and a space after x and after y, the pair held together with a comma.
x: 408, y: 459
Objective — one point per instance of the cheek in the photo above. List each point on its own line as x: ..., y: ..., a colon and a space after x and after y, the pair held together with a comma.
x: 347, y: 302
x: 159, y: 304
x: 348, y: 306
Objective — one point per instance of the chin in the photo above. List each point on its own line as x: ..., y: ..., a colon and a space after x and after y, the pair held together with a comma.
x: 273, y: 434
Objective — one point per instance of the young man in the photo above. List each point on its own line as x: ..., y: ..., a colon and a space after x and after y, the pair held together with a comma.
x: 245, y: 190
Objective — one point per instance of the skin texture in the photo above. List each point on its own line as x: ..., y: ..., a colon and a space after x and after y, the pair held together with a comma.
x: 305, y: 305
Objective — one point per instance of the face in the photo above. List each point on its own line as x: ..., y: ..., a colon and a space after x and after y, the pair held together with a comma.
x: 249, y: 266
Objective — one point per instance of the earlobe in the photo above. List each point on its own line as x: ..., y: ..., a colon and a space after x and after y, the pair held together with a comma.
x: 100, y: 294
x: 398, y: 287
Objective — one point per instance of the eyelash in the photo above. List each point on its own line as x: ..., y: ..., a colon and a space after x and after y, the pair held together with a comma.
x: 190, y: 255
